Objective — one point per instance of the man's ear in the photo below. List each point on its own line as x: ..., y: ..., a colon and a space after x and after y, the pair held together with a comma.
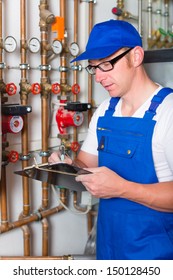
x: 138, y: 56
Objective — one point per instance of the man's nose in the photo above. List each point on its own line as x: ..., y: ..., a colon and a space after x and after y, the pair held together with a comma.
x: 99, y: 75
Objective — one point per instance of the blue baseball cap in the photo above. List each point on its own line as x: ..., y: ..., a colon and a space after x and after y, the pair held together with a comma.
x: 108, y: 37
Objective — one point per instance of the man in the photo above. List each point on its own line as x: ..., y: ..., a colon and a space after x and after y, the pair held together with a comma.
x: 128, y: 149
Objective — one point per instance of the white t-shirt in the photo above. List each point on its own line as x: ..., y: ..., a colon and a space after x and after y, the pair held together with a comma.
x: 162, y: 141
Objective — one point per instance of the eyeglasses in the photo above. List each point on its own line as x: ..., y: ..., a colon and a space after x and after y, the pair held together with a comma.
x: 106, y: 65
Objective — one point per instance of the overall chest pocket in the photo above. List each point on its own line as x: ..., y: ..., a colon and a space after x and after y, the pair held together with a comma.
x: 123, y: 145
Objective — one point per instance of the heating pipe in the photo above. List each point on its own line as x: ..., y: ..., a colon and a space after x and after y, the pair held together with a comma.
x: 140, y: 17
x: 45, y: 18
x: 3, y: 187
x: 36, y: 216
x: 90, y: 78
x: 24, y: 132
x: 75, y: 72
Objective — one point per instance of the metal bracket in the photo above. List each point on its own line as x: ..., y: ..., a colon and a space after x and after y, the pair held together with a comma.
x: 89, y: 1
x: 24, y: 66
x: 25, y: 157
x: 76, y: 67
x: 44, y: 153
x: 45, y: 67
x: 63, y: 69
x: 2, y: 65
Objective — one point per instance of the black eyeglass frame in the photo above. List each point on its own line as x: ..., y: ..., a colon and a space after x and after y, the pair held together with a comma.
x: 112, y: 62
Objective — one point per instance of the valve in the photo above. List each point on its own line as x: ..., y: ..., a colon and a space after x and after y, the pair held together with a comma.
x: 56, y: 88
x: 10, y: 156
x: 116, y: 11
x: 36, y: 88
x: 75, y: 89
x: 13, y: 156
x: 11, y: 89
x: 66, y: 118
x: 11, y: 124
x: 74, y: 146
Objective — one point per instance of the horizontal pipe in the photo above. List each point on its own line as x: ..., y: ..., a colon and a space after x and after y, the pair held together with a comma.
x: 69, y: 257
x: 32, y: 218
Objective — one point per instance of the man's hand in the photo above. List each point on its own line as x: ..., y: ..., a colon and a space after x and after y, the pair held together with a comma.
x: 102, y: 183
x: 55, y: 157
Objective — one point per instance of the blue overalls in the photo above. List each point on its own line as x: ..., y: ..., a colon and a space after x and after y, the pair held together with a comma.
x: 127, y: 230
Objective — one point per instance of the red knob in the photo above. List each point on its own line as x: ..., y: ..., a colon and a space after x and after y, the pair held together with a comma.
x: 13, y: 156
x: 75, y: 89
x: 36, y: 88
x: 11, y: 89
x: 75, y: 146
x: 56, y: 88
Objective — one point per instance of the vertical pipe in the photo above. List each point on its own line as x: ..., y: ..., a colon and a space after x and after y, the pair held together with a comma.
x: 1, y: 40
x: 44, y: 97
x: 45, y: 241
x: 90, y: 79
x: 24, y: 99
x: 0, y: 82
x: 3, y: 197
x: 26, y: 239
x: 140, y: 17
x: 149, y: 10
x: 166, y: 14
x: 75, y: 73
x: 63, y: 57
x: 24, y: 132
x: 44, y: 117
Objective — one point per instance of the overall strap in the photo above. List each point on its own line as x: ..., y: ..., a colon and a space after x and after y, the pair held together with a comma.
x: 112, y: 105
x: 156, y: 101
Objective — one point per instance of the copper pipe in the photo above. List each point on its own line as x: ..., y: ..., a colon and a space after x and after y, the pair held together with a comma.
x: 24, y: 132
x: 63, y: 56
x: 45, y: 241
x: 26, y: 236
x: 91, y: 216
x: 24, y: 101
x: 76, y: 206
x: 3, y: 197
x: 37, y: 258
x: 44, y: 94
x: 90, y: 78
x: 140, y: 17
x: 1, y: 40
x: 3, y: 190
x: 75, y: 73
x: 32, y: 218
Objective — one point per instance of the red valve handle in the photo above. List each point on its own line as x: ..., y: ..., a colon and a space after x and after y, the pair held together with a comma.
x: 56, y: 88
x: 75, y: 89
x: 75, y: 146
x: 13, y: 156
x: 11, y: 89
x: 36, y: 88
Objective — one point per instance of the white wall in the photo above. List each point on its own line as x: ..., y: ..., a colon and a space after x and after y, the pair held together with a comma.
x: 68, y: 231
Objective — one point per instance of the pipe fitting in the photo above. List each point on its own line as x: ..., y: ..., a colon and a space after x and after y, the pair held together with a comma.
x: 2, y: 87
x: 47, y: 16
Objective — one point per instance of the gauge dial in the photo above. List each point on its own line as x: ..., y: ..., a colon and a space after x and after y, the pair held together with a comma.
x: 34, y: 45
x: 74, y: 49
x: 10, y: 44
x: 57, y: 46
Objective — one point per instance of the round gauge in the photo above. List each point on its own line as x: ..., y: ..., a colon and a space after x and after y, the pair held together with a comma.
x: 57, y: 46
x: 74, y: 49
x: 10, y: 44
x: 34, y: 45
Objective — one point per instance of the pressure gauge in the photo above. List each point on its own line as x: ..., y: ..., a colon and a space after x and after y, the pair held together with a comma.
x: 34, y: 45
x: 74, y: 49
x: 10, y: 44
x: 57, y: 46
